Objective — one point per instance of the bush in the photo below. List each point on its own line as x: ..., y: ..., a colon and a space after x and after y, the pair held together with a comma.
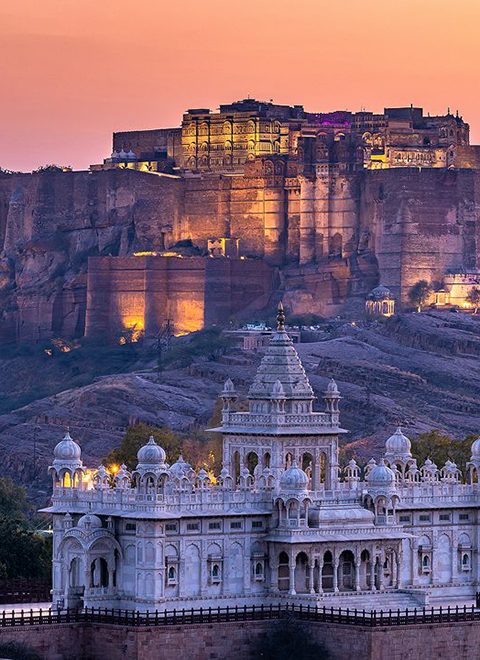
x: 18, y: 651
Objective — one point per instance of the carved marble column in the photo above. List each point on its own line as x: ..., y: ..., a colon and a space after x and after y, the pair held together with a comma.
x: 310, y: 576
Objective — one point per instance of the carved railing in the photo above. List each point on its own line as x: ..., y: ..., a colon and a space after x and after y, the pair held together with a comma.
x: 343, y: 616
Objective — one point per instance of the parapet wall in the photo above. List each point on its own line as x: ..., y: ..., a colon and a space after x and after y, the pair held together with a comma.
x: 240, y: 640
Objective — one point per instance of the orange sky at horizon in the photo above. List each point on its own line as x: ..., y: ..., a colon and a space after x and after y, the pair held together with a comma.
x: 74, y: 71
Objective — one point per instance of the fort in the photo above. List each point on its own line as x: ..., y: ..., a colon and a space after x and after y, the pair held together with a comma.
x: 333, y: 203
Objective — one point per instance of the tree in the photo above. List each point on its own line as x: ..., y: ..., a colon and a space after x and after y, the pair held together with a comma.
x: 136, y: 436
x: 473, y: 297
x: 31, y: 557
x: 439, y: 447
x: 288, y: 639
x: 419, y: 294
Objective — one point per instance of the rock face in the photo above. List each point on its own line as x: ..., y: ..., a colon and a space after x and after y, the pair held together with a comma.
x: 419, y: 370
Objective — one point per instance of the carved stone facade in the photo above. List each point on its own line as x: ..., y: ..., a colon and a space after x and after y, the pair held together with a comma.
x: 281, y: 520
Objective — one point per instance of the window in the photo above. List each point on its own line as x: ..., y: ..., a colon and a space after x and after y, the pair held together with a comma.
x: 465, y: 562
x: 424, y: 517
x: 464, y: 516
x: 257, y: 524
x: 130, y: 527
x: 215, y: 574
x: 236, y: 525
x: 444, y: 517
x: 192, y: 527
x: 171, y: 527
x: 404, y: 518
x: 259, y: 571
x: 214, y: 525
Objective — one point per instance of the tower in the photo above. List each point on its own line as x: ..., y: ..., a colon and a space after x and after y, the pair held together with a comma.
x: 281, y: 427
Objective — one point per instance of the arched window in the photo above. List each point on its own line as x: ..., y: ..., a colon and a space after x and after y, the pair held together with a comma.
x: 258, y: 570
x: 171, y: 573
x: 426, y: 561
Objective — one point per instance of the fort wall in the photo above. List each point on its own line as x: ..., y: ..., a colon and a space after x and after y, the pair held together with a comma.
x: 143, y: 292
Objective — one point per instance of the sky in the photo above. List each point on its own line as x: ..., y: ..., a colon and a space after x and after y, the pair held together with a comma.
x: 74, y: 71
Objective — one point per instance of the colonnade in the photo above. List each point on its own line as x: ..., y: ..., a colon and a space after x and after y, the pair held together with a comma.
x: 335, y: 569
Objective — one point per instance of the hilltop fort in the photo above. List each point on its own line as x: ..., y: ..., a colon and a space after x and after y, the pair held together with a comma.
x: 236, y: 209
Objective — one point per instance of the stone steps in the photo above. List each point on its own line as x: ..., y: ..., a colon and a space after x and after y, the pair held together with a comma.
x: 369, y: 601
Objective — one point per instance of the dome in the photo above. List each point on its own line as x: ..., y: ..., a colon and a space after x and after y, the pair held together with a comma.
x: 381, y: 475
x: 332, y: 387
x: 151, y: 453
x: 180, y: 469
x: 89, y: 521
x: 398, y: 444
x: 67, y: 450
x: 476, y: 449
x: 294, y: 478
x: 380, y: 292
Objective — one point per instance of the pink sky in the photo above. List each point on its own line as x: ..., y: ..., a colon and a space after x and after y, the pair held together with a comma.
x: 74, y: 71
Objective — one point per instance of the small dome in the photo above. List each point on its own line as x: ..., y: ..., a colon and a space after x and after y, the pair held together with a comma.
x: 476, y: 449
x: 294, y: 479
x: 380, y: 292
x: 151, y: 453
x: 381, y: 475
x: 67, y: 450
x: 89, y: 521
x: 180, y: 469
x: 398, y: 444
x: 332, y: 387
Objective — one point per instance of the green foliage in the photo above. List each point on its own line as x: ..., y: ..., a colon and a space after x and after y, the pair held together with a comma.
x: 52, y: 168
x: 439, y: 447
x: 136, y: 436
x: 473, y: 298
x: 18, y: 651
x: 288, y: 639
x: 419, y: 294
x: 23, y: 553
x: 207, y: 344
x: 198, y: 448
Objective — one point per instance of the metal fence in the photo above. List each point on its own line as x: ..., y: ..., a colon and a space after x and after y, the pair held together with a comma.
x: 19, y: 590
x: 352, y: 617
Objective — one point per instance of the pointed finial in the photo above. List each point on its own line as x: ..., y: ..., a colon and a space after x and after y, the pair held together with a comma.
x: 280, y: 317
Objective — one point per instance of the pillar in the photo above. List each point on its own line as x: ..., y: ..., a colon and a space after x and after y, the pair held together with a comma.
x: 292, y: 590
x: 310, y: 576
x: 336, y: 562
x: 358, y: 564
x: 320, y: 570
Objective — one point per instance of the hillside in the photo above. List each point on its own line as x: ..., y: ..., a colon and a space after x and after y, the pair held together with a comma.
x: 420, y: 370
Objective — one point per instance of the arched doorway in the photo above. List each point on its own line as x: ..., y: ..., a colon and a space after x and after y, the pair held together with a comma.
x: 327, y: 572
x: 301, y: 573
x: 283, y: 572
x: 346, y: 571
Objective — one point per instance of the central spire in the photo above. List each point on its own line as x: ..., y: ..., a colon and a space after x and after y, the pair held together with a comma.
x: 280, y: 317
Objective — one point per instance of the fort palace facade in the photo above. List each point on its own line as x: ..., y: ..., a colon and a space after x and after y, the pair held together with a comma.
x: 281, y: 521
